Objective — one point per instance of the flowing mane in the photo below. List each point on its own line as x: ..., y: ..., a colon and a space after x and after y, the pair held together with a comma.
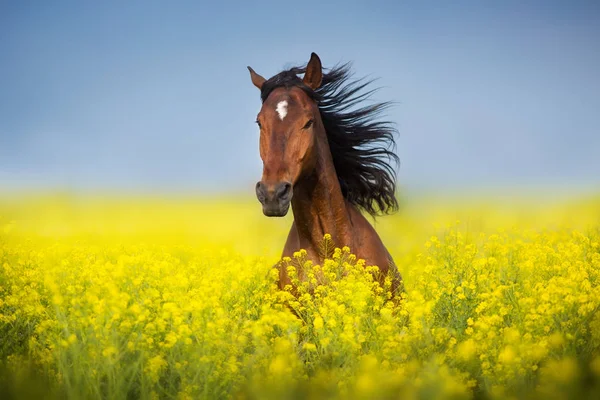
x: 361, y: 144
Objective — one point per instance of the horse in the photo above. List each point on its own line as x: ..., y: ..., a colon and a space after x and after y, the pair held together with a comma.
x: 328, y: 159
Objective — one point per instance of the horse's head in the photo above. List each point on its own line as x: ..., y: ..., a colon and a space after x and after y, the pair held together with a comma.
x: 288, y: 121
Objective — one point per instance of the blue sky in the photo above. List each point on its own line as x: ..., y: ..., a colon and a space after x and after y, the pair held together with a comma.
x: 156, y: 95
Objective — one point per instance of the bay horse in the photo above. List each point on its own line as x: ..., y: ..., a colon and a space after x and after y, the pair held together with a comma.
x: 328, y: 159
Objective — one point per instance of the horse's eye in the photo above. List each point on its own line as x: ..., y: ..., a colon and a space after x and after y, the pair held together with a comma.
x: 308, y: 124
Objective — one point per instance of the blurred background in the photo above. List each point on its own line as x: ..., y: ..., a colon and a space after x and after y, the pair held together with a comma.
x: 155, y: 96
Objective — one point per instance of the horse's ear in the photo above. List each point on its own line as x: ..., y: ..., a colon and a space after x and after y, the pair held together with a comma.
x: 257, y: 80
x: 314, y: 72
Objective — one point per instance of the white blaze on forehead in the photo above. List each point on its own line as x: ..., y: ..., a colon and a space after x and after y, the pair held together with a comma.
x: 282, y: 109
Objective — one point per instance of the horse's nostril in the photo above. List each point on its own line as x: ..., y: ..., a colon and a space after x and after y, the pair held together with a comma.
x: 284, y: 189
x: 260, y: 191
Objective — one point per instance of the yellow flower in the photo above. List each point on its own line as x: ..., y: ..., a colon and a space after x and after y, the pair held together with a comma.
x: 309, y: 346
x: 136, y: 287
x: 466, y: 350
x: 318, y: 322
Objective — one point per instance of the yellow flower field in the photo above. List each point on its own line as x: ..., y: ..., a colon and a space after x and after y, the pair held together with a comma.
x: 174, y: 297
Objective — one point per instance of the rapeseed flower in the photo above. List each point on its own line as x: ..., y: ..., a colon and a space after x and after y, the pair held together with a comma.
x: 110, y: 303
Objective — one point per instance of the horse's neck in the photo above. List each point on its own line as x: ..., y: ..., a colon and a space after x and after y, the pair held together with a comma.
x: 319, y: 206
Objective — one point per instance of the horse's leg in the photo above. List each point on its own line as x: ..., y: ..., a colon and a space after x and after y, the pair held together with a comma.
x: 291, y: 245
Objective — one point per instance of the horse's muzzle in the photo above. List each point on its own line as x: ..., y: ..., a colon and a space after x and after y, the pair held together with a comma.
x: 275, y: 198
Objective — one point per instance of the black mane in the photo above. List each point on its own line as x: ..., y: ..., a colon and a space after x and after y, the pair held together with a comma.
x: 361, y: 146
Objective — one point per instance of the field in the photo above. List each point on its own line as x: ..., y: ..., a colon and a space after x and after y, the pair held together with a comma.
x: 174, y: 297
